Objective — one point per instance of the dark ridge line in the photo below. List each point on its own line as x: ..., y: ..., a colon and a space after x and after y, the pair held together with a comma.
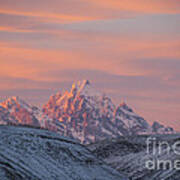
x: 43, y: 136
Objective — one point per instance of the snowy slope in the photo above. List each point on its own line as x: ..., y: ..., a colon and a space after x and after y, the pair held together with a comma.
x: 34, y: 154
x: 133, y: 123
x: 129, y: 155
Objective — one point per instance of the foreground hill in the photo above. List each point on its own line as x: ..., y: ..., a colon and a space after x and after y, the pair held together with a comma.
x: 130, y: 155
x: 36, y: 154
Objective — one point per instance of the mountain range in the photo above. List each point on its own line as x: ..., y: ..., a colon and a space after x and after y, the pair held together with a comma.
x: 83, y: 113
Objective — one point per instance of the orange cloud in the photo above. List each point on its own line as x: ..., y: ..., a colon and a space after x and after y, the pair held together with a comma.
x: 110, y: 53
x: 49, y: 17
x: 28, y: 63
x: 143, y: 6
x: 14, y: 29
x: 78, y: 11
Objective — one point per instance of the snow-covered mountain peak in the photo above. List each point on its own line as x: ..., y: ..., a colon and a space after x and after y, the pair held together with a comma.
x: 81, y: 84
x: 21, y: 111
x: 16, y: 102
x: 15, y: 99
x: 85, y: 88
x: 158, y: 128
x: 88, y: 115
x: 124, y: 106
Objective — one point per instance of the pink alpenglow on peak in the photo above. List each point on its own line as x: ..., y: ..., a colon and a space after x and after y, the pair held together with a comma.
x: 83, y: 113
x: 88, y: 115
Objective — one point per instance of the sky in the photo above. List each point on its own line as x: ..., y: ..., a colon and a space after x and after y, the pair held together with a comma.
x: 128, y: 49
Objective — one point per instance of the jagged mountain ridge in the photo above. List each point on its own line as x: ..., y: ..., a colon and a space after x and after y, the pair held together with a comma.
x: 16, y: 111
x: 21, y: 111
x: 92, y: 116
x: 83, y: 113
